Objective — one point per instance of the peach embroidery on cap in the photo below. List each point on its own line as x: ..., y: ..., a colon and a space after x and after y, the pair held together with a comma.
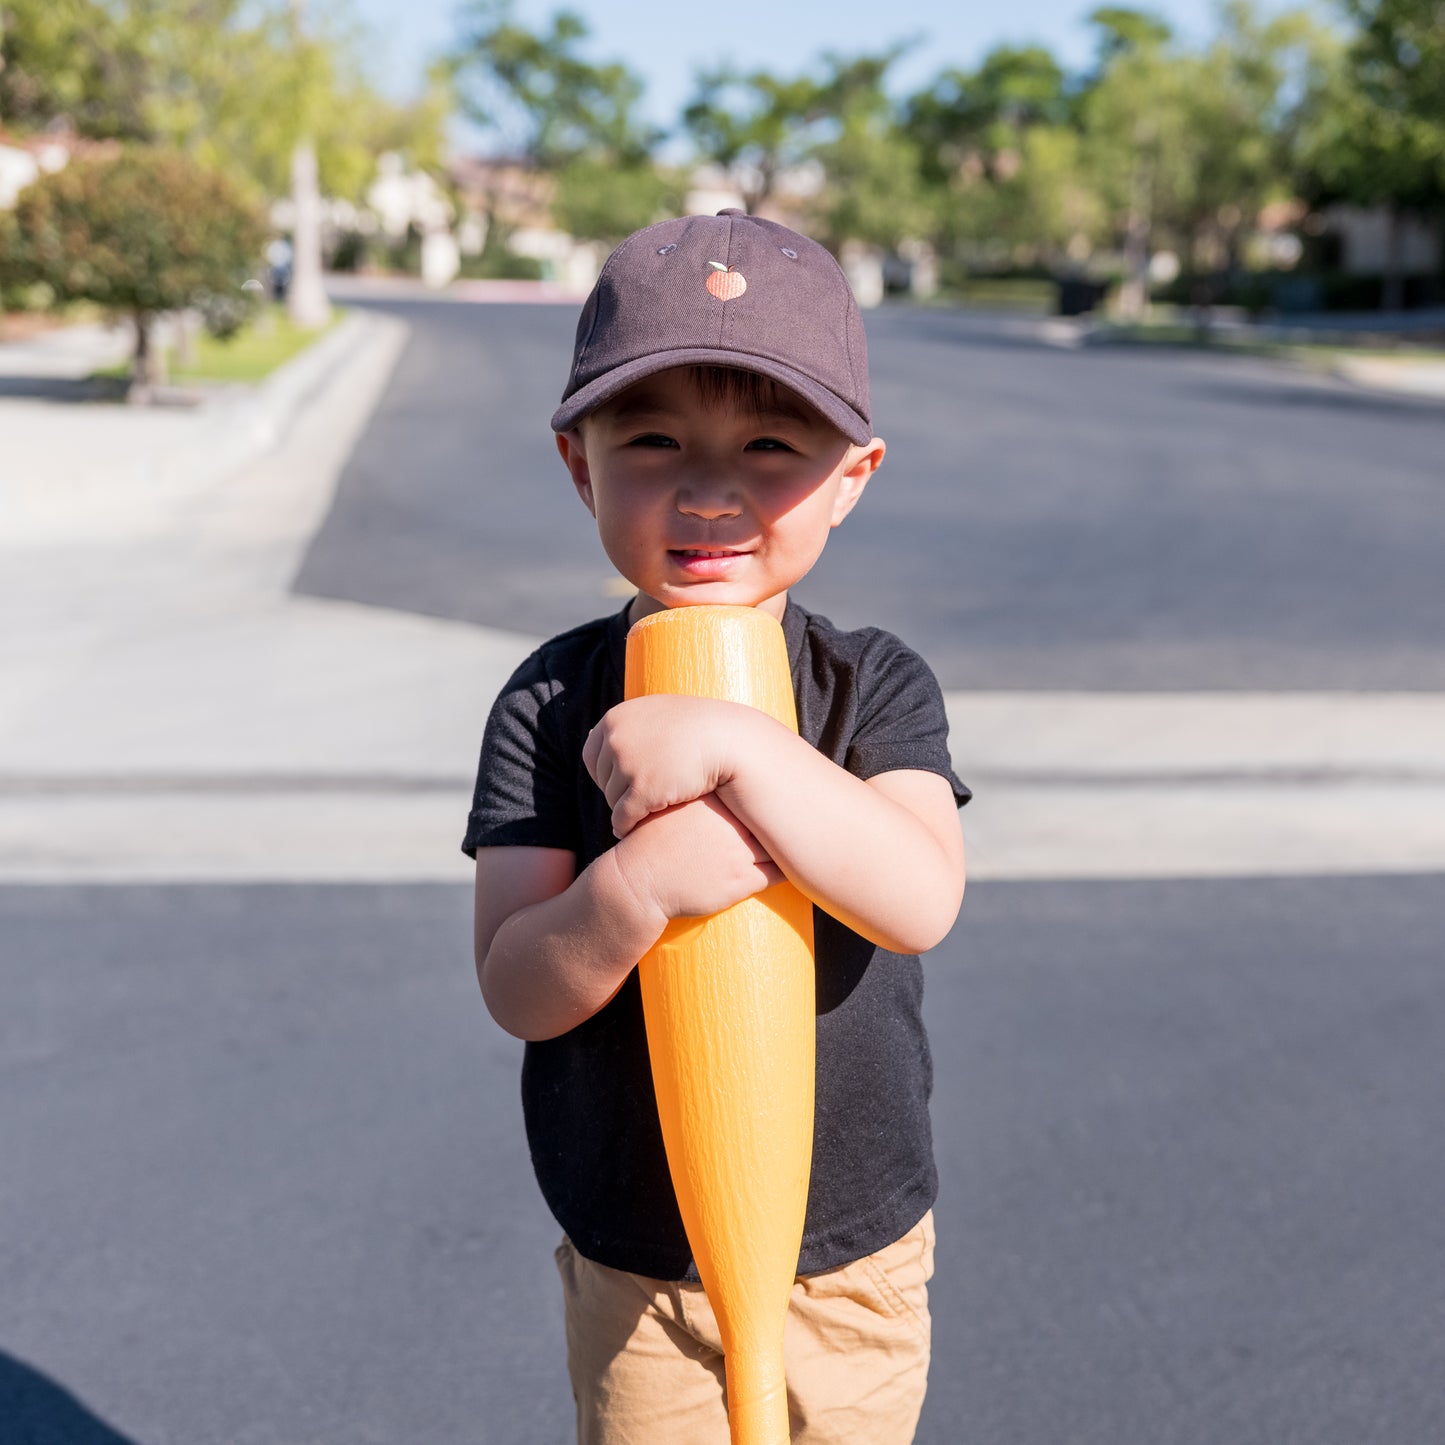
x: 725, y: 283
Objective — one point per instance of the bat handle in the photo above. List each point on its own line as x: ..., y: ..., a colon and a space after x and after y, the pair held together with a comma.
x: 757, y: 1398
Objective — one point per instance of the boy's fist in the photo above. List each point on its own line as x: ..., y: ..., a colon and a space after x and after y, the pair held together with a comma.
x: 655, y: 752
x: 694, y: 859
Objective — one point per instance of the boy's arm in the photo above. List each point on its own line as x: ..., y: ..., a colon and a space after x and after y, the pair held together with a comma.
x: 553, y: 945
x: 884, y: 856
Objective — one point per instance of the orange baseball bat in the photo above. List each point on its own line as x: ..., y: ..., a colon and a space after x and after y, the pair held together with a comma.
x: 730, y: 1007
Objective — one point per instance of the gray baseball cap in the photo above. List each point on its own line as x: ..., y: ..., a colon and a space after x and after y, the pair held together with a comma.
x: 725, y: 290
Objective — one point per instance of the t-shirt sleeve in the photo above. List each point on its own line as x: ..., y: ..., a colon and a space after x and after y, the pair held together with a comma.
x: 901, y: 721
x: 526, y: 790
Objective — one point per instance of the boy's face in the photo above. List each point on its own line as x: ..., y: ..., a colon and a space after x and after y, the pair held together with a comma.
x: 710, y: 501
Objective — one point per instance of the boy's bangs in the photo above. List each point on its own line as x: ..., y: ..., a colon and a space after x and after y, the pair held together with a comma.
x: 730, y: 386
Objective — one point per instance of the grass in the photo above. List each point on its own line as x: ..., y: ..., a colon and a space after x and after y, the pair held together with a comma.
x: 1015, y: 293
x: 251, y: 355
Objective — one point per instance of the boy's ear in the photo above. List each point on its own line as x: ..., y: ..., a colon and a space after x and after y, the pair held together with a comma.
x: 859, y: 464
x: 574, y: 456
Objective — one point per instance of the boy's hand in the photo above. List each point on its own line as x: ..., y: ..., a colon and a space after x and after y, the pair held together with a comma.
x: 655, y: 752
x: 693, y: 860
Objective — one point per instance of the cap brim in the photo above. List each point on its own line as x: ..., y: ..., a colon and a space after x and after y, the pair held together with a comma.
x: 856, y: 428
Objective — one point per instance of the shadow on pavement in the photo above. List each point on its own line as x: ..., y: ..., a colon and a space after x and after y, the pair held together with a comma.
x: 983, y: 329
x: 1331, y: 395
x: 37, y: 1411
x: 63, y: 388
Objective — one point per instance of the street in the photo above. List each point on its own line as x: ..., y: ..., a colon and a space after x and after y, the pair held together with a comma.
x: 1046, y: 518
x: 265, y: 1181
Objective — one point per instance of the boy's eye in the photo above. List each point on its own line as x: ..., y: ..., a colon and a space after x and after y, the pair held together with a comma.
x: 652, y: 439
x: 768, y: 444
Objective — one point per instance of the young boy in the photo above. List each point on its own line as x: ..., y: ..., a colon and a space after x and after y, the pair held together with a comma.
x: 716, y: 425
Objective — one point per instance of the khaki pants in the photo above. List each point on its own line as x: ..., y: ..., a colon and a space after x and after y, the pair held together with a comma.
x: 647, y: 1367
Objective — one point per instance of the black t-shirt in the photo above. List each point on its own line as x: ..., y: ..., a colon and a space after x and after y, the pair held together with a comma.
x: 871, y: 705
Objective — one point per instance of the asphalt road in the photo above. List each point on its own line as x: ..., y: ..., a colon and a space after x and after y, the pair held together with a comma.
x: 1101, y: 519
x: 264, y: 1181
x: 262, y: 1172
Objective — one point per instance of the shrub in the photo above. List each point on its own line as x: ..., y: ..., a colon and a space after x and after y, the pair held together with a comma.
x: 138, y: 233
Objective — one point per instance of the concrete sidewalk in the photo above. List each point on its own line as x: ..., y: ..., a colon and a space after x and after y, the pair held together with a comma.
x: 170, y: 711
x: 66, y: 352
x: 1419, y: 376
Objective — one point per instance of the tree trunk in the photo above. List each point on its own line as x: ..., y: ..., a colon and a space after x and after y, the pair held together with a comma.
x: 754, y: 195
x: 1392, y: 294
x: 306, y: 298
x: 148, y: 365
x: 188, y: 325
x: 1134, y: 293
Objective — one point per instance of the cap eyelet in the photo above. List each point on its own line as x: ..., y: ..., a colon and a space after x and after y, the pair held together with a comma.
x: 664, y: 250
x: 788, y: 251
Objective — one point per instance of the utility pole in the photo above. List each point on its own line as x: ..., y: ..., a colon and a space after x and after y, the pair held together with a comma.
x: 306, y: 301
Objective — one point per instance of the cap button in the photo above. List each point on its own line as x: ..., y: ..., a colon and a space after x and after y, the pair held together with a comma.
x: 732, y: 211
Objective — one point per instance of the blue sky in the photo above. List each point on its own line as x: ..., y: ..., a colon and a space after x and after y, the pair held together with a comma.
x: 666, y: 41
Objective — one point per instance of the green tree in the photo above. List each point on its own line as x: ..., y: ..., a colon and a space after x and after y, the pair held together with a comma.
x: 1046, y: 207
x: 1399, y: 54
x: 71, y: 58
x: 1245, y: 115
x: 597, y: 200
x: 546, y: 104
x: 240, y: 85
x: 754, y: 125
x: 139, y: 233
x: 228, y: 81
x: 1119, y: 30
x: 835, y: 117
x: 1140, y: 141
x: 1374, y: 135
x: 873, y: 188
x: 1185, y: 147
x: 538, y: 94
x: 979, y: 117
x: 997, y: 145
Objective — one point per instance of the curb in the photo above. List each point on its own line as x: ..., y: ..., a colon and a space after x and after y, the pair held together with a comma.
x: 1418, y: 379
x: 262, y: 417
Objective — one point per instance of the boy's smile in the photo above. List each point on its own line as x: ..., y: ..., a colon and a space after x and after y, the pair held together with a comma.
x: 707, y: 500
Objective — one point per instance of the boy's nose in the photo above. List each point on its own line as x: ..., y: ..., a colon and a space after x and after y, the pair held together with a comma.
x: 708, y: 500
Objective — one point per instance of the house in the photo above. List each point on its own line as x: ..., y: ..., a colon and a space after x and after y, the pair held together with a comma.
x: 1366, y: 240
x: 515, y: 196
x: 24, y: 159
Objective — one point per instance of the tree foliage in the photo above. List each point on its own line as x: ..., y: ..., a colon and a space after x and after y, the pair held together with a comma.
x: 71, y: 58
x: 1376, y: 132
x: 999, y: 148
x: 1120, y: 31
x: 872, y: 186
x: 231, y: 82
x: 143, y: 230
x: 753, y: 125
x: 140, y: 232
x: 1399, y: 54
x: 976, y: 119
x: 546, y: 104
x: 600, y: 201
x: 1157, y: 143
x: 538, y: 94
